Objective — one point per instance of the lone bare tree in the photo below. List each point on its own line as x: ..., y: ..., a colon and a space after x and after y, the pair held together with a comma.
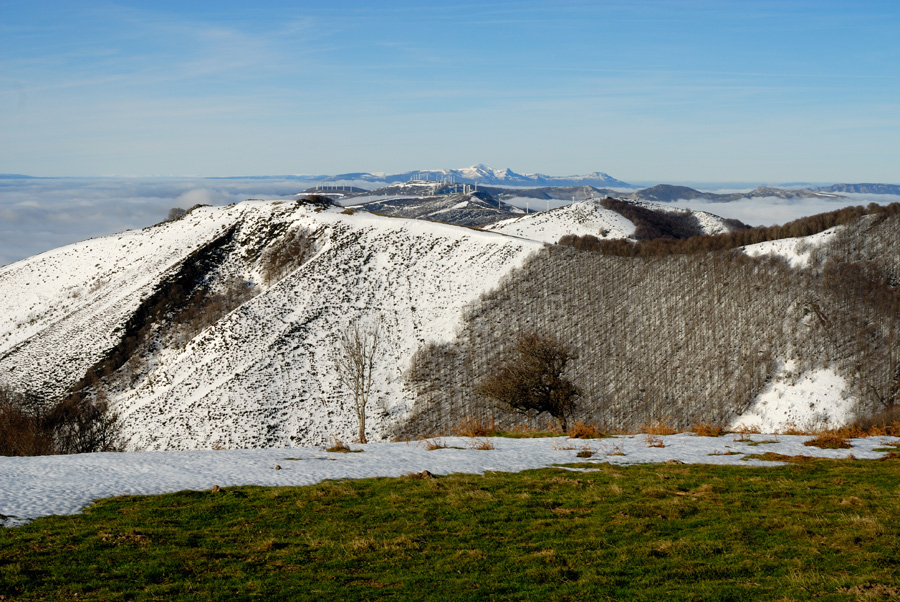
x: 531, y: 381
x: 356, y: 365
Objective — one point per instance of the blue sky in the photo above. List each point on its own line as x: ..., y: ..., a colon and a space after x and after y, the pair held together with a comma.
x: 644, y: 90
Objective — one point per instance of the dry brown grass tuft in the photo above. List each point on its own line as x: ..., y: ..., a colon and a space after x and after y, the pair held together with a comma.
x: 614, y: 449
x: 658, y: 427
x: 586, y: 451
x: 882, y: 424
x: 432, y: 444
x: 655, y: 441
x: 483, y: 444
x: 829, y: 440
x: 706, y: 429
x: 583, y: 430
x: 472, y: 427
x: 340, y: 447
x: 744, y: 432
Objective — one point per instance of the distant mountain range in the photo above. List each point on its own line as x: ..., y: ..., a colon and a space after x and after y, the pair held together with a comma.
x: 483, y: 175
x: 603, y: 183
x: 664, y: 193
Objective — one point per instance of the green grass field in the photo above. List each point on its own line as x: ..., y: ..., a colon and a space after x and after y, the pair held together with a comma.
x: 824, y: 530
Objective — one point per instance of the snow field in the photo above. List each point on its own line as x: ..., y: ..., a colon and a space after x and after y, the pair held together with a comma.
x: 41, y: 486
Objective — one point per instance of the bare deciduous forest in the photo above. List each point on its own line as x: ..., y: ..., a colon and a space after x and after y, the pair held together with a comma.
x: 679, y: 333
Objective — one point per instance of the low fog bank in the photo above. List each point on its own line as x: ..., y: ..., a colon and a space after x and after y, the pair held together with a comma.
x: 772, y: 211
x: 37, y: 215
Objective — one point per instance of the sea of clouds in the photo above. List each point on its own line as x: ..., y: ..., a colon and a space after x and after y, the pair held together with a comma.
x: 766, y: 211
x: 37, y: 215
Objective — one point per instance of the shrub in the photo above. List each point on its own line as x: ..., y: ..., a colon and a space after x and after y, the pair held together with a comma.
x: 21, y: 431
x: 175, y: 213
x: 74, y: 425
x: 531, y: 381
x: 81, y: 426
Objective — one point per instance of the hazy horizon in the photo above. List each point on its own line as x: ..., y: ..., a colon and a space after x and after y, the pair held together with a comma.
x: 38, y: 215
x: 675, y: 90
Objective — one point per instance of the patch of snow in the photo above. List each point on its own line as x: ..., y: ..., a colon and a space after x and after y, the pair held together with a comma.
x: 579, y: 218
x: 33, y: 487
x: 796, y: 250
x: 818, y: 399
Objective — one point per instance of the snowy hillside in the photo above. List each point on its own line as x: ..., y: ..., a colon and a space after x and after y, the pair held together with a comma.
x: 590, y: 217
x: 796, y: 250
x: 263, y: 375
x: 581, y: 218
x: 221, y: 329
x: 708, y: 223
x: 51, y: 301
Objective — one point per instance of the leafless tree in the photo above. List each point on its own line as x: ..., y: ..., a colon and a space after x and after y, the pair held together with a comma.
x: 532, y: 380
x: 356, y: 366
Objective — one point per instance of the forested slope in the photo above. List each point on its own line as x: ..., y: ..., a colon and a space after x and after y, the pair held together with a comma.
x: 683, y: 337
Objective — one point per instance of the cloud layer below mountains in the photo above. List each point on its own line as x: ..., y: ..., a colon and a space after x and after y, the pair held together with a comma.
x: 37, y: 215
x: 772, y: 211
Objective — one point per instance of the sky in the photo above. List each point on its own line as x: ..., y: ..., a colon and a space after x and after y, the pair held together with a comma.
x: 645, y: 90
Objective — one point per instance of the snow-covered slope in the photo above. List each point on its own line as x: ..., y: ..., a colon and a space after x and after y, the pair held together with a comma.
x: 811, y: 401
x: 580, y: 219
x: 591, y: 217
x: 264, y: 374
x: 61, y: 310
x: 797, y: 251
x: 470, y: 209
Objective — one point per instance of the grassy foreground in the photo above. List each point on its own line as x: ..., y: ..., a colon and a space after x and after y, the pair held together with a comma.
x: 826, y: 530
